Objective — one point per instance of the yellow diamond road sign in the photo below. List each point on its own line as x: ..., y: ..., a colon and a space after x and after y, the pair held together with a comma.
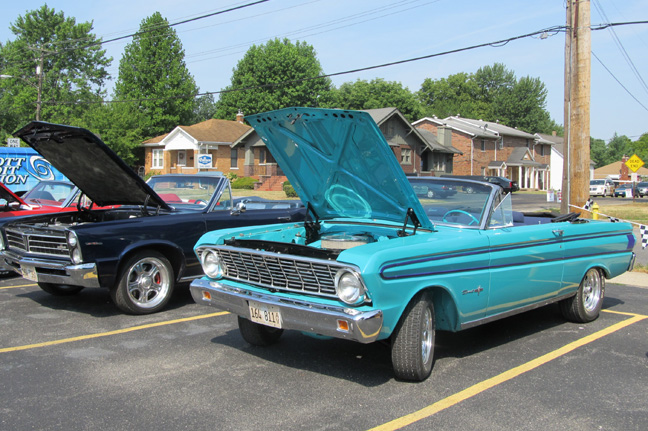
x: 634, y: 163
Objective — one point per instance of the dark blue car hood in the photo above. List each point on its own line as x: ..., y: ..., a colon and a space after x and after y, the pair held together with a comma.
x: 339, y: 162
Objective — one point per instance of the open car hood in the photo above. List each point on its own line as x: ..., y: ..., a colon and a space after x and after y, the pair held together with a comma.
x: 339, y: 162
x: 9, y: 196
x: 86, y: 161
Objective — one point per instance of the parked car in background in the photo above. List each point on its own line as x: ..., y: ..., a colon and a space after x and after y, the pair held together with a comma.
x: 140, y: 250
x: 509, y: 186
x: 625, y: 190
x: 45, y: 197
x: 642, y: 189
x: 376, y: 262
x: 431, y: 190
x: 602, y: 188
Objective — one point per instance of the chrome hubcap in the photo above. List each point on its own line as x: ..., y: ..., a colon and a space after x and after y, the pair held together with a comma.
x: 148, y: 282
x: 591, y: 290
x: 427, y: 336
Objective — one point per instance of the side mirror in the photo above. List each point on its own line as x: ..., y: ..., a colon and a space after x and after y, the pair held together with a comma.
x: 239, y: 208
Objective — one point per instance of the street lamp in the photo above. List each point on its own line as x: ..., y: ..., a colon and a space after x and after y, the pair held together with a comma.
x: 39, y: 88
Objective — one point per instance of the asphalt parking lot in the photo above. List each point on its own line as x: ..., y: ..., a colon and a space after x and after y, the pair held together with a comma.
x: 76, y: 363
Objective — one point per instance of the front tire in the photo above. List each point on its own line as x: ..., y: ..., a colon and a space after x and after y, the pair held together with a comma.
x: 60, y: 289
x: 145, y: 284
x: 257, y: 334
x: 412, y: 347
x: 586, y: 305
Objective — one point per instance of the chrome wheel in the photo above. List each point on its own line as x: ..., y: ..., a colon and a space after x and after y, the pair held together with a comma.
x: 145, y: 284
x: 427, y: 336
x: 591, y: 290
x: 148, y: 282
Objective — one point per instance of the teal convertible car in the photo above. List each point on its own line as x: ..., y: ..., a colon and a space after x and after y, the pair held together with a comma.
x: 375, y: 261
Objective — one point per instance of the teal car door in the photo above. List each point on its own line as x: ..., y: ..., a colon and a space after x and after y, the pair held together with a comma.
x: 526, y: 265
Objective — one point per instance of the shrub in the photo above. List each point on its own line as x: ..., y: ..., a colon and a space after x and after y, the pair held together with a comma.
x: 243, y: 183
x: 289, y: 190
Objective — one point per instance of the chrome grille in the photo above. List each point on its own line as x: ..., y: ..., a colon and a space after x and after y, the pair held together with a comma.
x: 39, y: 243
x: 280, y: 272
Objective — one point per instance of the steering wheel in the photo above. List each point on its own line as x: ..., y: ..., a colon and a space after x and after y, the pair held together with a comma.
x: 473, y: 221
x: 346, y: 202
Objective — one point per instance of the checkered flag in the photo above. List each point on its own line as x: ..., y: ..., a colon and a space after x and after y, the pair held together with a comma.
x: 614, y: 220
x: 588, y: 205
x: 643, y: 231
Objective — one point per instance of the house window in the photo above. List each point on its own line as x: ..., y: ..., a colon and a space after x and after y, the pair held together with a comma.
x: 483, y: 145
x: 234, y: 158
x: 262, y: 156
x: 406, y: 156
x: 158, y: 159
x: 501, y: 143
x: 541, y: 150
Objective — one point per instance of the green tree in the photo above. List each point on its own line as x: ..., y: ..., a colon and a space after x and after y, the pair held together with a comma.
x: 67, y: 57
x: 377, y: 93
x: 276, y: 75
x: 493, y: 93
x: 598, y: 152
x: 457, y: 94
x: 155, y: 87
x: 618, y: 147
x: 204, y: 109
x: 523, y: 106
x: 640, y: 147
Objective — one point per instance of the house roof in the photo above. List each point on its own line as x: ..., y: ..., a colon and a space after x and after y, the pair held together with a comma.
x: 434, y: 142
x: 477, y: 128
x: 615, y: 169
x: 521, y: 156
x: 212, y: 131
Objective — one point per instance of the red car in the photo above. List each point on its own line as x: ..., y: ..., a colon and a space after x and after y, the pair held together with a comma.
x: 46, y: 197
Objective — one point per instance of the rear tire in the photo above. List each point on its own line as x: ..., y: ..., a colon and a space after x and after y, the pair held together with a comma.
x: 586, y: 305
x: 412, y: 347
x: 257, y: 334
x: 60, y: 289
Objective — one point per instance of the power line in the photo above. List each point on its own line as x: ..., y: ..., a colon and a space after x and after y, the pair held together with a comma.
x: 619, y: 82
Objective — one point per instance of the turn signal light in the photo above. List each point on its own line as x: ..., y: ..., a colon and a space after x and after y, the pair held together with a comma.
x: 343, y: 325
x: 206, y: 295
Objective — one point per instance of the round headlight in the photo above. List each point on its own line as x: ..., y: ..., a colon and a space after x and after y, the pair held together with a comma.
x: 349, y: 287
x: 72, y: 239
x: 76, y: 256
x: 212, y: 264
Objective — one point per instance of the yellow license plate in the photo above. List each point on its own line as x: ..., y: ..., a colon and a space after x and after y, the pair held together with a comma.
x: 268, y: 315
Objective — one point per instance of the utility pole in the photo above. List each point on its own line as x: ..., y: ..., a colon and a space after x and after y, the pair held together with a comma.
x: 578, y: 46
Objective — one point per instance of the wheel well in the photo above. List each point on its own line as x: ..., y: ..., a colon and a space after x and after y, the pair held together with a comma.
x: 445, y: 309
x: 174, y: 256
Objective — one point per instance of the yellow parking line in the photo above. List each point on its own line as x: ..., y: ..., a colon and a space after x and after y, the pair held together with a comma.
x: 623, y: 313
x: 501, y: 378
x: 22, y: 285
x: 106, y: 334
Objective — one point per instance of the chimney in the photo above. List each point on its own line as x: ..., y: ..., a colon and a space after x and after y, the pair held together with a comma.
x: 239, y: 116
x: 444, y: 136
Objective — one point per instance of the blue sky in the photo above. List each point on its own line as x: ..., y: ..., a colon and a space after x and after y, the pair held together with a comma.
x: 350, y: 34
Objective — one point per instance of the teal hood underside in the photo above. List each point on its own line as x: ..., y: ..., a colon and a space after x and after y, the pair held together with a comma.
x: 339, y: 163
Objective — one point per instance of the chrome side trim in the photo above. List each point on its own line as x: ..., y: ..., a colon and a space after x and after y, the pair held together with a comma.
x: 515, y: 311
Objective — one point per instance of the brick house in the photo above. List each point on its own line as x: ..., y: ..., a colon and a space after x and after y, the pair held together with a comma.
x: 183, y: 150
x: 233, y: 147
x: 418, y: 151
x: 493, y: 149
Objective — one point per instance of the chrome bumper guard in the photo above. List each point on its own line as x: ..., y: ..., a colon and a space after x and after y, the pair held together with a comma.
x: 321, y: 319
x: 47, y: 271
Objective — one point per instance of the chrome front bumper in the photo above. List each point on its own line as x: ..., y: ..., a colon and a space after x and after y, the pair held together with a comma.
x: 50, y: 271
x: 301, y: 315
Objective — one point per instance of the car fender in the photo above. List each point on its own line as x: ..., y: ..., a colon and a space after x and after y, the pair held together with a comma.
x: 167, y: 248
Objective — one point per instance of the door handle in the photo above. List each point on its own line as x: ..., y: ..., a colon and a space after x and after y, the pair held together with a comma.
x: 558, y: 232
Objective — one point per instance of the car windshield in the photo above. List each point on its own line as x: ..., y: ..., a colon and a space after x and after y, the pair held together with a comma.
x: 185, y: 189
x: 454, y: 202
x: 49, y: 193
x: 597, y: 182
